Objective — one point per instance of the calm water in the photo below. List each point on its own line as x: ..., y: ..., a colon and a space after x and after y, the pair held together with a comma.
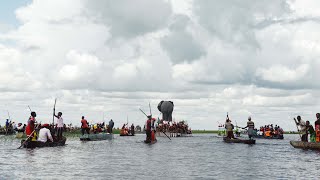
x: 198, y: 157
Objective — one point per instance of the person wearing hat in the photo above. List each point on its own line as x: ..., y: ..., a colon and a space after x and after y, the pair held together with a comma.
x: 229, y: 127
x: 148, y: 129
x: 45, y: 134
x: 60, y: 125
x: 250, y: 126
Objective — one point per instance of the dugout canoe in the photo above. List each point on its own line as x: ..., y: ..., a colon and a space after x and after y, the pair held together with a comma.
x: 96, y: 137
x: 305, y: 145
x: 161, y: 134
x: 238, y: 140
x: 150, y: 142
x: 273, y: 137
x: 126, y: 134
x: 38, y: 144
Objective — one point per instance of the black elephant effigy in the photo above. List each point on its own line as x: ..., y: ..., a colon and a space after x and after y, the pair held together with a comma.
x: 166, y: 108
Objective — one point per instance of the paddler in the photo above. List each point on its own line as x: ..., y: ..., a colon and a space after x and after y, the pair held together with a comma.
x: 59, y: 125
x: 84, y: 126
x: 30, y: 126
x: 148, y: 129
x: 250, y: 126
x: 229, y: 127
x: 45, y: 134
x: 110, y: 127
x: 317, y: 127
x: 303, y: 128
x: 310, y: 130
x: 132, y: 129
x: 153, y: 130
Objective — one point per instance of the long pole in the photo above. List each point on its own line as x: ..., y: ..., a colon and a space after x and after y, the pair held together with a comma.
x: 143, y: 112
x: 29, y: 108
x: 54, y: 110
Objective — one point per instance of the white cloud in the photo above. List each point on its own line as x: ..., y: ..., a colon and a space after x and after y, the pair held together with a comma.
x: 280, y: 73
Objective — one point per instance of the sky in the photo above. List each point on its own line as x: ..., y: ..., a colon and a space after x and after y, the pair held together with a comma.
x: 106, y: 59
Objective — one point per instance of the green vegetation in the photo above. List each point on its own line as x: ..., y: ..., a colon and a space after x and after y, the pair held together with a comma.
x: 204, y: 131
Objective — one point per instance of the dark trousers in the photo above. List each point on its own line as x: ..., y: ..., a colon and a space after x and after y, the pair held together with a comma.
x: 304, y: 138
x: 148, y: 133
x: 85, y: 129
x: 59, y: 132
x: 230, y: 134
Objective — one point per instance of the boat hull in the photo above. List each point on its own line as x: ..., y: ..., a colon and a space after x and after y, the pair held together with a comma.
x: 38, y: 144
x: 126, y: 134
x: 305, y: 145
x: 150, y: 142
x: 96, y: 137
x: 275, y: 137
x: 244, y: 141
x: 161, y: 134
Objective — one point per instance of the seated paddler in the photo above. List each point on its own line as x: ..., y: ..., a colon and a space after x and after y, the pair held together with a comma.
x: 45, y: 134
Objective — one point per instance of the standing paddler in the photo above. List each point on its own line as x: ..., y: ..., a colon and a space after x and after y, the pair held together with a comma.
x: 59, y: 125
x: 229, y: 128
x: 30, y: 126
x: 250, y: 126
x: 303, y: 128
x: 317, y: 127
x: 148, y: 129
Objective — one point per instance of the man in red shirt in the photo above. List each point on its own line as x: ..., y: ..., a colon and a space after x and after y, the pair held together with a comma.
x: 84, y: 126
x: 30, y: 126
x: 148, y: 129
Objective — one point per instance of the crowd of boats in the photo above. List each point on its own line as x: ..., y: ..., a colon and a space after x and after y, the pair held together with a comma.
x: 50, y: 135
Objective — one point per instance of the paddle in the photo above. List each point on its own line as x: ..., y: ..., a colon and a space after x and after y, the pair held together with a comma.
x: 54, y: 110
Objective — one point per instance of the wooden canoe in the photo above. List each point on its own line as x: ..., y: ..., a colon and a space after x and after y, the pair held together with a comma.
x: 35, y: 144
x: 237, y: 140
x: 150, y: 142
x: 126, y: 134
x: 305, y: 145
x: 96, y: 137
x: 273, y: 137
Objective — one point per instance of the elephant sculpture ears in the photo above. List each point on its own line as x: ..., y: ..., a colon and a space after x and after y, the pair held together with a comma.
x: 159, y: 105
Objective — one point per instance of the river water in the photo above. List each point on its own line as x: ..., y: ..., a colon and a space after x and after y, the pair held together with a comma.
x: 203, y: 156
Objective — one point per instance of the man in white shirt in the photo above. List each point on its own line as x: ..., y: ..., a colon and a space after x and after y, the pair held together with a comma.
x: 59, y: 125
x: 45, y: 134
x: 303, y: 128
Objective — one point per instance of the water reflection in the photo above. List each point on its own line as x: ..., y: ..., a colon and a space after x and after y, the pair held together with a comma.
x: 201, y: 156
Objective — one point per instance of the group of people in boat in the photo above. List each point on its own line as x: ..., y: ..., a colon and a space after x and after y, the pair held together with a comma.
x: 11, y: 127
x: 230, y: 127
x: 127, y: 131
x: 270, y: 131
x: 172, y: 128
x: 95, y: 128
x: 307, y: 129
x: 44, y: 133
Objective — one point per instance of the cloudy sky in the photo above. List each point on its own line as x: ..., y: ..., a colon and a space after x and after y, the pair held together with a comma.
x: 106, y: 59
